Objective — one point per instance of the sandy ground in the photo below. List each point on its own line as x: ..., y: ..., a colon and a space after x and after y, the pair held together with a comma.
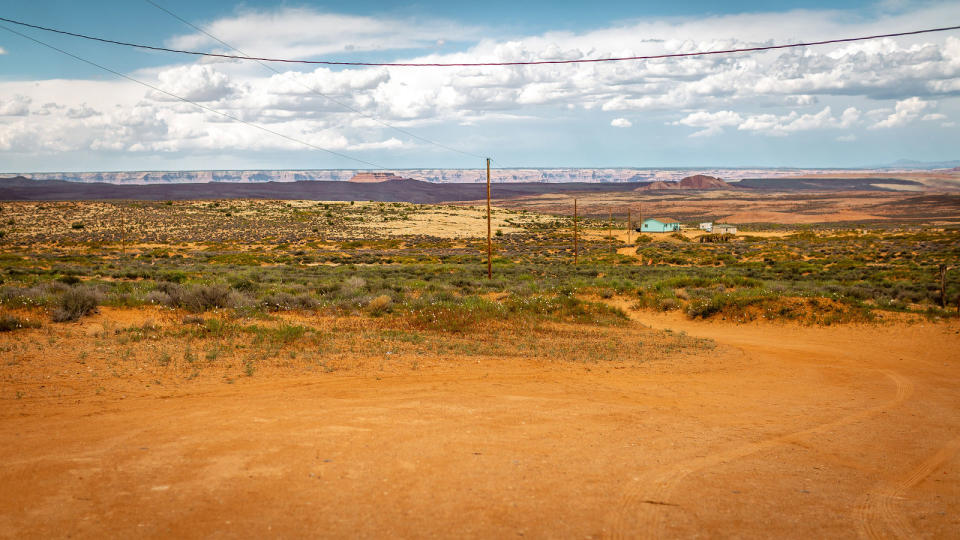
x: 741, y: 207
x: 784, y: 431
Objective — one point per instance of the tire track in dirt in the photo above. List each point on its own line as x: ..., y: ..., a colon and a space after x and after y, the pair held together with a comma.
x: 646, y: 501
x: 877, y: 514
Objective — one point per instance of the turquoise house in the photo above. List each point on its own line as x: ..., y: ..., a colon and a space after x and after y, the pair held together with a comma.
x: 661, y: 225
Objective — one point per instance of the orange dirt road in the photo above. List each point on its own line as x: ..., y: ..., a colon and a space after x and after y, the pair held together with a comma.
x: 782, y: 431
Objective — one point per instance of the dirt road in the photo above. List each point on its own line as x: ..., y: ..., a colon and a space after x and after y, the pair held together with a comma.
x: 783, y: 431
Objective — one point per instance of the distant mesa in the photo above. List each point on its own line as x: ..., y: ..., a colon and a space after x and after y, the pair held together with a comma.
x: 374, y: 177
x: 697, y: 181
x: 702, y: 181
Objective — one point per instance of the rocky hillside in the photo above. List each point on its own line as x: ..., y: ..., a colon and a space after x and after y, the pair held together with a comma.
x: 697, y: 181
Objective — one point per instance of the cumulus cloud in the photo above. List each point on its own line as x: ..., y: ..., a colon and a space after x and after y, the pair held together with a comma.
x: 83, y: 111
x: 905, y: 112
x: 771, y: 124
x: 711, y: 122
x: 883, y: 83
x: 194, y: 83
x: 303, y: 32
x: 18, y: 105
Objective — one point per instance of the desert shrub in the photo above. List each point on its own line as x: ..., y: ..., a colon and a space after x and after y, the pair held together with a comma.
x: 379, y: 304
x: 204, y: 297
x: 25, y: 297
x: 352, y: 285
x: 76, y: 225
x: 281, y: 301
x: 158, y: 297
x: 242, y: 301
x: 244, y: 284
x: 75, y: 303
x: 667, y: 303
x: 9, y: 323
x: 192, y: 320
x: 451, y: 315
x: 175, y: 276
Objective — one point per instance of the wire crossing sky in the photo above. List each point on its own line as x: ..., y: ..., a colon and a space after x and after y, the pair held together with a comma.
x: 693, y: 86
x: 484, y: 64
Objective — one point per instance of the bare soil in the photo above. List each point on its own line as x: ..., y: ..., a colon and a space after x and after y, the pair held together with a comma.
x: 781, y: 431
x: 746, y: 206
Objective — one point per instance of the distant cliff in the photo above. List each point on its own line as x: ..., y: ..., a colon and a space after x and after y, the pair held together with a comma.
x: 373, y: 177
x: 697, y: 181
x: 443, y: 176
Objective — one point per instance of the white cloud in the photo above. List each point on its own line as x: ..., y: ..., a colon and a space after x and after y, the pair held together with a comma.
x: 195, y: 83
x: 769, y: 124
x: 304, y: 32
x: 905, y: 112
x: 3, y: 51
x: 713, y: 123
x: 934, y: 116
x: 18, y: 105
x: 847, y: 138
x: 83, y: 111
x: 782, y: 125
x: 775, y: 93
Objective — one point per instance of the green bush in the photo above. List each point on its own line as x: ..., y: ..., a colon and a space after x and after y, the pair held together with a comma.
x: 9, y: 323
x: 206, y: 297
x: 75, y: 303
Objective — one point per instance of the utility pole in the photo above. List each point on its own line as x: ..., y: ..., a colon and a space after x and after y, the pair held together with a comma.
x: 575, y: 249
x: 123, y: 234
x: 629, y: 225
x: 943, y: 285
x: 489, y: 238
x: 610, y: 231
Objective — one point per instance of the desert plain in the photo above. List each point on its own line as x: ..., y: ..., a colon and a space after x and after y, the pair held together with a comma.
x: 258, y: 368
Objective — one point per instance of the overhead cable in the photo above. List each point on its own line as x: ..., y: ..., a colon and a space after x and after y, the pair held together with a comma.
x: 486, y: 64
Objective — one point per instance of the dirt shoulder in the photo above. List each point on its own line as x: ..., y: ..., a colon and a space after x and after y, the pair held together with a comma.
x: 781, y: 430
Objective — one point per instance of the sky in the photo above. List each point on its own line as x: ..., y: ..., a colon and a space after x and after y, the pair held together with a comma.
x: 850, y: 105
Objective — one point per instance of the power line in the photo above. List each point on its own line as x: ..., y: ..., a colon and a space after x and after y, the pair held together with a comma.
x: 195, y: 104
x: 308, y: 88
x: 486, y: 64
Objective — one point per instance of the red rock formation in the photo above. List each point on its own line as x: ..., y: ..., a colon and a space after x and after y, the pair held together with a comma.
x: 658, y: 185
x: 702, y: 181
x: 698, y: 181
x: 371, y: 177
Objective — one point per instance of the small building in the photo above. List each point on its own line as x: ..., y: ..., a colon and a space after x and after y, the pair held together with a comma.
x: 659, y: 225
x: 707, y: 226
x: 723, y: 228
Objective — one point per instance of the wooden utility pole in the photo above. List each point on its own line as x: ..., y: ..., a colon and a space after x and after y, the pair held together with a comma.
x: 943, y: 285
x: 575, y: 249
x: 629, y: 226
x: 489, y: 237
x: 123, y: 234
x: 610, y: 229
